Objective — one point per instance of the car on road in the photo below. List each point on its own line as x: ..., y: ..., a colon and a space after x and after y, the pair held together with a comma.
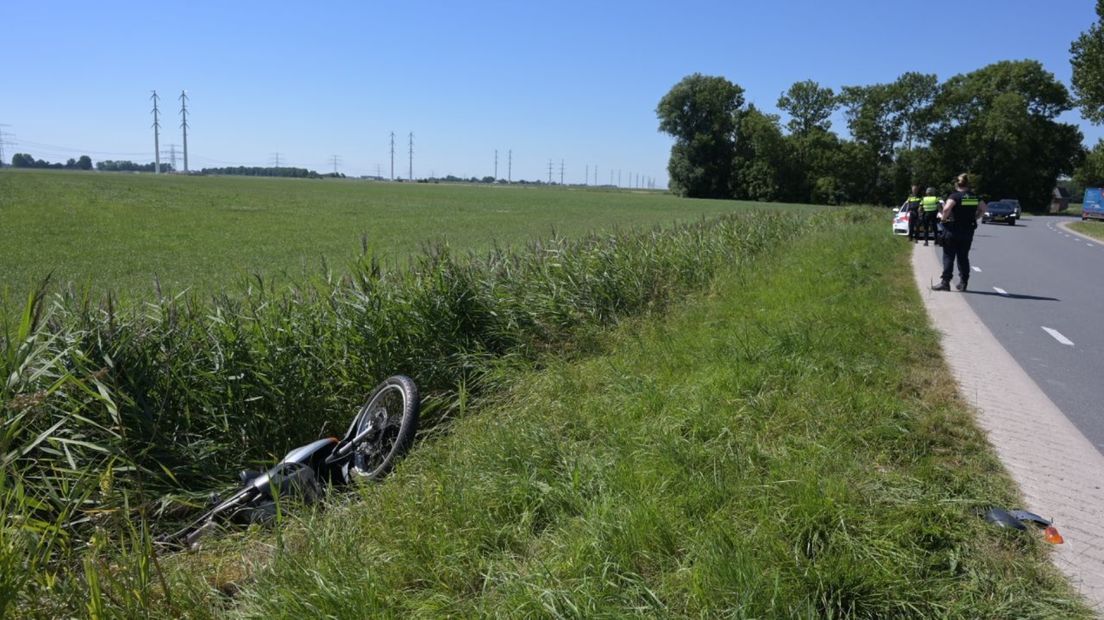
x: 1000, y: 211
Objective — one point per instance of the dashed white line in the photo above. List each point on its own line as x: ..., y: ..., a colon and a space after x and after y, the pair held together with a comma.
x: 977, y: 269
x: 1002, y: 292
x: 1057, y: 335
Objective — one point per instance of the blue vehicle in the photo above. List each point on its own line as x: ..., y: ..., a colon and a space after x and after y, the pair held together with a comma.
x: 1092, y: 207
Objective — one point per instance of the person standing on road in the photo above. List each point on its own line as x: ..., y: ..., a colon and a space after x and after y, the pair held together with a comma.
x: 929, y: 206
x: 960, y: 215
x: 912, y: 207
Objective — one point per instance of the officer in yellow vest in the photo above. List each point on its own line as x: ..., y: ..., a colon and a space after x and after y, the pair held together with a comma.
x: 961, y: 212
x: 929, y: 206
x: 912, y: 207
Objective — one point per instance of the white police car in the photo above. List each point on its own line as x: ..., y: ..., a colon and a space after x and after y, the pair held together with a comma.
x: 900, y: 221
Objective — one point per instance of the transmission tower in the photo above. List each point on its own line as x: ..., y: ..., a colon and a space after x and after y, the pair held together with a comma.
x: 496, y: 165
x: 392, y: 156
x: 561, y: 171
x: 2, y: 145
x: 510, y: 166
x: 276, y: 157
x: 586, y: 175
x: 156, y: 135
x: 410, y: 172
x: 184, y: 125
x: 550, y: 172
x: 172, y: 156
x: 336, y: 159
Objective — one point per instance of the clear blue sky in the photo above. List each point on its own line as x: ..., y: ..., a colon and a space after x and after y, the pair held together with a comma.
x: 571, y: 81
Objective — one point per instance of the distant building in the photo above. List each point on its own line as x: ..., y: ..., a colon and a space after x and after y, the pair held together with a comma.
x: 1059, y: 200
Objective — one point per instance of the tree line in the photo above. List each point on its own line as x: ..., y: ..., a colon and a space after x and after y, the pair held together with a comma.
x: 23, y: 160
x: 998, y: 123
x: 129, y: 166
x: 262, y: 171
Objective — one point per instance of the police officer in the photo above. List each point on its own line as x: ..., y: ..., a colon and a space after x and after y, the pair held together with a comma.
x: 960, y: 215
x: 912, y: 207
x: 929, y: 206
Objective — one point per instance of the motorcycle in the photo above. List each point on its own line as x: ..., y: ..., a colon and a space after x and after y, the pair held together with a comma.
x: 382, y: 431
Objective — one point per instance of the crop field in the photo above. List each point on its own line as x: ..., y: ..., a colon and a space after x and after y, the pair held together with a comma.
x: 118, y: 232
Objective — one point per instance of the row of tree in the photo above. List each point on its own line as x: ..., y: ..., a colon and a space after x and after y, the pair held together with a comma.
x: 129, y: 166
x: 260, y: 171
x: 999, y: 123
x: 23, y: 160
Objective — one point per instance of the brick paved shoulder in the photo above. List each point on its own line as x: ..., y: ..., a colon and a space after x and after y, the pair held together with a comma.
x: 1060, y: 473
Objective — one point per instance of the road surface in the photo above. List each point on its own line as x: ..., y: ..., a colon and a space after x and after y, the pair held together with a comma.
x: 1040, y: 291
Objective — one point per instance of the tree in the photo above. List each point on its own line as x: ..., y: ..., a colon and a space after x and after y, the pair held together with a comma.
x: 999, y: 122
x: 1091, y: 171
x: 760, y: 169
x: 911, y: 97
x: 809, y: 107
x: 1087, y: 59
x: 84, y: 163
x: 701, y: 112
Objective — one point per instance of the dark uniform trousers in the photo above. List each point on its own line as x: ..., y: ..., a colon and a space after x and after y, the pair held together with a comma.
x: 956, y: 247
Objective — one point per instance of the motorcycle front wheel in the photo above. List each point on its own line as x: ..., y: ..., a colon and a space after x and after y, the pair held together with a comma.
x: 392, y: 412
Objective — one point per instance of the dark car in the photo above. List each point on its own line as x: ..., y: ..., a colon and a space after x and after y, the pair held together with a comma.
x: 1000, y: 211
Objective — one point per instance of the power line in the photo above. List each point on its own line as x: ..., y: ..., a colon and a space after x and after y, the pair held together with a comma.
x: 172, y: 156
x: 336, y: 160
x: 561, y: 171
x: 392, y: 156
x: 550, y: 172
x: 510, y: 166
x: 276, y: 156
x: 496, y: 165
x: 410, y: 172
x: 586, y: 175
x: 184, y: 125
x: 156, y: 136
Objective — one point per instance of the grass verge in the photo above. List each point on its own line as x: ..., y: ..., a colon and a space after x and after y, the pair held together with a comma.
x: 1091, y: 229
x: 788, y: 445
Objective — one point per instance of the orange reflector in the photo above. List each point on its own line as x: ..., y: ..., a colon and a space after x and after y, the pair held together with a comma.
x: 1051, y: 535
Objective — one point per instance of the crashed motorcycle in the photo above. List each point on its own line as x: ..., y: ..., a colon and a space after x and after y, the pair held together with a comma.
x: 382, y: 430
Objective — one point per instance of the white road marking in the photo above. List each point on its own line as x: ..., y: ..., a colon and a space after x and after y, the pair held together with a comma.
x: 1003, y: 292
x: 1057, y: 335
x: 977, y: 269
x: 1089, y: 244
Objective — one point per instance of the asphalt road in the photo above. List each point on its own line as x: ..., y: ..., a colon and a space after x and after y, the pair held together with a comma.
x: 1040, y: 291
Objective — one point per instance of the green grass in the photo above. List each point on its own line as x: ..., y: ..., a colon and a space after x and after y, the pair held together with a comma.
x: 119, y: 232
x: 784, y: 446
x: 1094, y: 229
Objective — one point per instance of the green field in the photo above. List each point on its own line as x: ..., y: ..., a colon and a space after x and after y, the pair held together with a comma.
x: 751, y: 455
x: 121, y: 231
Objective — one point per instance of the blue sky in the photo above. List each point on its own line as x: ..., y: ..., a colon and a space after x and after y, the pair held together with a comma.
x: 570, y: 81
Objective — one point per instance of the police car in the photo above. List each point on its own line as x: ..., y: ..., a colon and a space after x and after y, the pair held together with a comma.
x: 900, y: 220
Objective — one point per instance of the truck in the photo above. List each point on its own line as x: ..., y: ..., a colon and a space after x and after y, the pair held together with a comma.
x: 1092, y: 207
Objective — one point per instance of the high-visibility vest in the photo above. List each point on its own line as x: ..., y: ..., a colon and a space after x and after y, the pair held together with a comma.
x: 929, y: 203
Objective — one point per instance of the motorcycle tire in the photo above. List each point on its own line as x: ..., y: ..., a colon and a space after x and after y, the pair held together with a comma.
x: 394, y: 405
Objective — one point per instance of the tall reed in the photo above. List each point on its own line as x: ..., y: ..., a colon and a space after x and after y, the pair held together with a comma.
x: 101, y: 403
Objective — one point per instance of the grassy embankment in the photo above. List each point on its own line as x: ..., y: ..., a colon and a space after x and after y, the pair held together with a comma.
x: 784, y: 446
x: 1093, y: 229
x: 107, y: 408
x: 118, y: 232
